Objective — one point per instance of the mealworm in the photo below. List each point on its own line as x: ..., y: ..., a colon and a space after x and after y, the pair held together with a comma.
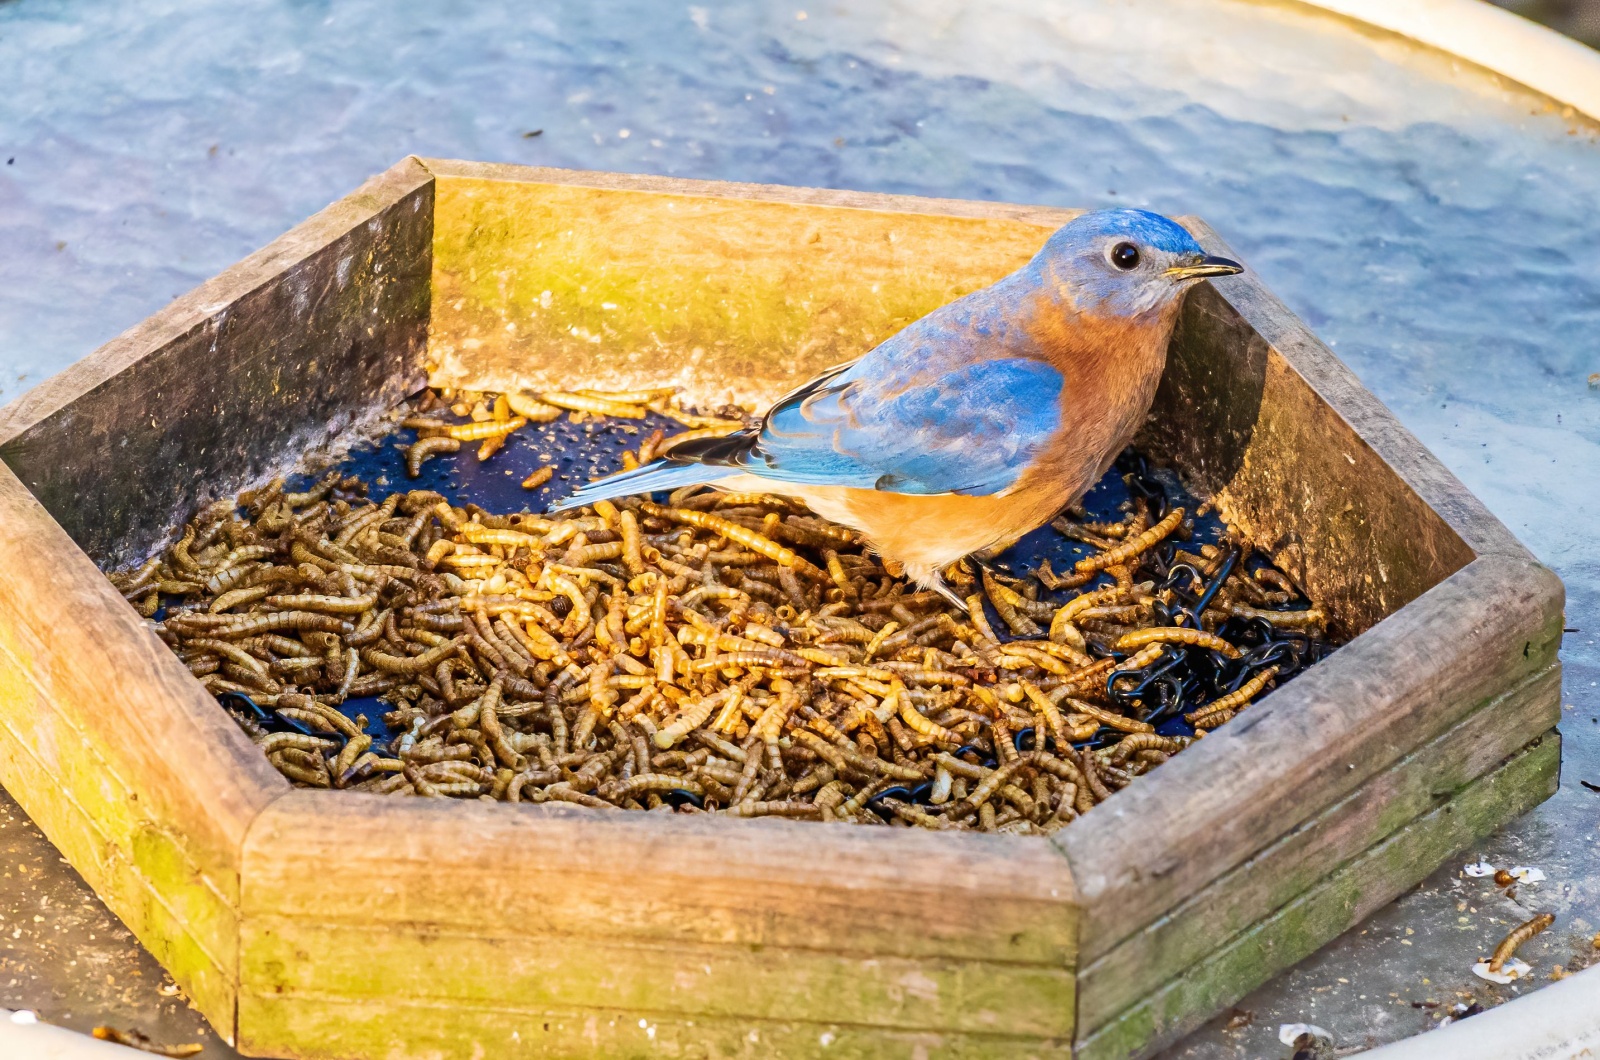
x: 1139, y: 638
x: 414, y: 664
x: 337, y: 605
x: 423, y: 448
x: 1519, y: 934
x: 271, y: 622
x: 532, y: 409
x: 1293, y: 619
x: 1133, y: 547
x: 485, y: 429
x: 1106, y: 717
x: 1235, y: 700
x: 917, y: 722
x: 597, y: 405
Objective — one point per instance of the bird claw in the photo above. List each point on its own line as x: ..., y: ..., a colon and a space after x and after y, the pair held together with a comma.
x: 948, y: 593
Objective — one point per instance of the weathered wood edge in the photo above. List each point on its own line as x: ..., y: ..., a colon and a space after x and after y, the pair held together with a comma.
x: 203, y: 304
x: 687, y: 896
x: 766, y: 882
x: 1412, y: 787
x: 1344, y: 899
x: 332, y: 341
x: 1386, y: 692
x: 363, y: 1030
x: 1044, y: 216
x: 1367, y: 416
x: 121, y: 756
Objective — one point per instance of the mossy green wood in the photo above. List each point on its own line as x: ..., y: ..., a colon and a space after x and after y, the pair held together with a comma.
x: 1345, y: 898
x: 122, y: 760
x: 678, y: 919
x: 396, y: 1028
x: 548, y: 278
x: 1412, y: 787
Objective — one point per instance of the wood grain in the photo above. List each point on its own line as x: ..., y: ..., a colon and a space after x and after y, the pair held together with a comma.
x: 541, y: 911
x: 573, y: 872
x: 1344, y: 899
x: 322, y: 329
x: 401, y: 1027
x: 122, y: 758
x: 1288, y: 470
x: 1412, y: 787
x: 550, y: 278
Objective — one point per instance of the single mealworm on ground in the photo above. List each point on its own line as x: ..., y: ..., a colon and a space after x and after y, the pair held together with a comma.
x: 1519, y: 934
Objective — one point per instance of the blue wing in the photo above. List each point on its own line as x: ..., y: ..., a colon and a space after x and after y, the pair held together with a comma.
x: 970, y: 429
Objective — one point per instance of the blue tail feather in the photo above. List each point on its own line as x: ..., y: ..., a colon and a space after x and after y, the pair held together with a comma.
x: 654, y: 476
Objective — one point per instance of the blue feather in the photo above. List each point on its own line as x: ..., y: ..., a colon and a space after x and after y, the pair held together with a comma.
x: 656, y: 475
x: 885, y: 425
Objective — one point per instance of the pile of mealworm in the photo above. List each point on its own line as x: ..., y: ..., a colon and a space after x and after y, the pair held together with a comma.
x: 707, y: 652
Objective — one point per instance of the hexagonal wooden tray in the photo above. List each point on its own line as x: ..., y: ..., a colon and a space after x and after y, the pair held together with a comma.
x: 331, y: 924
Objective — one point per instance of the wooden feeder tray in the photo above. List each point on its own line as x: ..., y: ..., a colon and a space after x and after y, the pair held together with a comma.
x: 325, y: 924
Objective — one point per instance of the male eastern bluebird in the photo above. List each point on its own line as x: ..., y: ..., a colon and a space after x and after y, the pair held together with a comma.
x: 980, y: 421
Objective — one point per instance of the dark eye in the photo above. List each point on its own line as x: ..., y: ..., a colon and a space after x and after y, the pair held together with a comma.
x: 1125, y: 256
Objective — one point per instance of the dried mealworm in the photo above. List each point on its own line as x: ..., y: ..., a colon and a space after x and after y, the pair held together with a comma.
x: 1139, y: 638
x: 1236, y: 700
x: 477, y: 432
x: 598, y: 405
x: 1106, y: 717
x: 423, y: 448
x: 1519, y: 934
x: 1129, y: 549
x: 532, y: 409
x: 748, y: 538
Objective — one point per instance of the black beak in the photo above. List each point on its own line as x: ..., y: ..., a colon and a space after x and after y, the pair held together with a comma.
x: 1210, y: 265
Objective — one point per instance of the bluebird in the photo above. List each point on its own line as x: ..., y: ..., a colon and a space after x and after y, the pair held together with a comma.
x: 983, y: 419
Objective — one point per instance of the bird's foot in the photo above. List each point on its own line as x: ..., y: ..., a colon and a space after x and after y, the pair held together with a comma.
x: 938, y: 585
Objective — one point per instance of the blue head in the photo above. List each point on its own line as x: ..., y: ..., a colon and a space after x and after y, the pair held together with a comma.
x: 1125, y: 263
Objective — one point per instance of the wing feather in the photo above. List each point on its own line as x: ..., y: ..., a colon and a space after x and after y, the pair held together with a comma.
x: 972, y: 429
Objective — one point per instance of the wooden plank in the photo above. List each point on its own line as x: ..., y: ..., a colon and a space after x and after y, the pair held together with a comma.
x: 1415, y: 785
x: 324, y: 328
x: 1343, y: 900
x: 502, y: 964
x: 1357, y: 408
x: 561, y: 872
x: 451, y: 169
x: 544, y: 909
x: 121, y: 756
x: 1288, y: 470
x: 400, y: 1029
x: 736, y: 292
x: 1310, y: 744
